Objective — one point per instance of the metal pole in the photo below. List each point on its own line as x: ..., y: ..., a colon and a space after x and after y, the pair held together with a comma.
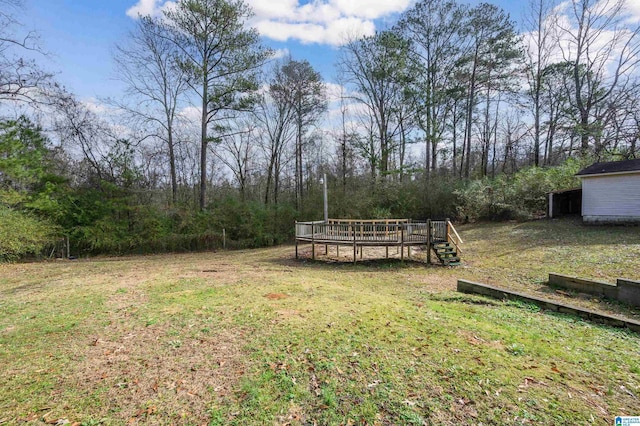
x: 326, y: 204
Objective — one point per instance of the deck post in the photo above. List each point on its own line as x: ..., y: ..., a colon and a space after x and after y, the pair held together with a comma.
x: 402, y: 243
x: 313, y: 243
x: 296, y: 227
x: 428, y: 241
x: 353, y: 229
x: 448, y: 229
x: 387, y: 252
x: 337, y: 250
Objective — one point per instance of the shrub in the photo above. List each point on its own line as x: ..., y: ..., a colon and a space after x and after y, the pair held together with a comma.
x: 22, y: 234
x: 521, y: 196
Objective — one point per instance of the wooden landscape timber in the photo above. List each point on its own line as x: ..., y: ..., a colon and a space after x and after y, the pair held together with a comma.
x: 471, y: 287
x: 437, y: 235
x: 624, y: 290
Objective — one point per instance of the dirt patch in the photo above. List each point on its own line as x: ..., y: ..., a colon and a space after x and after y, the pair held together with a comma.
x: 288, y: 313
x: 478, y: 341
x: 275, y: 296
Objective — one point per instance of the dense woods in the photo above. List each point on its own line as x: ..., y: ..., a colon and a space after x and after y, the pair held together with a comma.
x: 455, y: 111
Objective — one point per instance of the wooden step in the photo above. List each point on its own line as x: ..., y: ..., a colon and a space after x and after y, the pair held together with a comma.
x: 442, y: 246
x: 447, y: 254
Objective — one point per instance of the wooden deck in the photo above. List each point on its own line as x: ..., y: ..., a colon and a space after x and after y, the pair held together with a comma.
x: 372, y: 233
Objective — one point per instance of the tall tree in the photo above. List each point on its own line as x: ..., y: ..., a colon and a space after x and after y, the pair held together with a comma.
x: 221, y: 56
x: 492, y: 51
x: 155, y: 83
x: 378, y: 68
x: 435, y: 28
x: 540, y: 23
x: 297, y: 83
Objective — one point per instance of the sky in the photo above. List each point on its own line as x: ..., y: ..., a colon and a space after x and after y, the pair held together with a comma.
x: 80, y: 35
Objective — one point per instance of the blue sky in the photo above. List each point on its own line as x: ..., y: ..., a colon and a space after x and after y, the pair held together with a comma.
x: 80, y: 34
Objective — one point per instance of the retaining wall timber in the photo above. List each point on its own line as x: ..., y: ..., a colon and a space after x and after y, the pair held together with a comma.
x: 597, y: 288
x: 465, y: 286
x: 629, y: 291
x: 625, y: 291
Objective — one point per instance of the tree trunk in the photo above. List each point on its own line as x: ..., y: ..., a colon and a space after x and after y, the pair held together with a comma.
x: 470, y: 102
x: 172, y: 167
x: 203, y: 147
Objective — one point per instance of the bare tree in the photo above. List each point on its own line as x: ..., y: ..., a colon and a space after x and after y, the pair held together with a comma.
x: 604, y: 51
x: 155, y: 84
x: 297, y: 83
x: 236, y: 151
x: 21, y: 79
x: 276, y: 115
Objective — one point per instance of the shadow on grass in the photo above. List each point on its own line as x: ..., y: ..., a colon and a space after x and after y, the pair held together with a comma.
x: 347, y: 264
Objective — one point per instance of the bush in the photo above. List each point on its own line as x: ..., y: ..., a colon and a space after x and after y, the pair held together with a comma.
x: 521, y: 196
x: 22, y: 234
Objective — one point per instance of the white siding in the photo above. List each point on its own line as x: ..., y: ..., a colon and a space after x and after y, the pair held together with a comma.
x: 615, y: 195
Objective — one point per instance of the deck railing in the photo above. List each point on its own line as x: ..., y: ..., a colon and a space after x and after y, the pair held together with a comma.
x: 372, y: 231
x: 385, y: 232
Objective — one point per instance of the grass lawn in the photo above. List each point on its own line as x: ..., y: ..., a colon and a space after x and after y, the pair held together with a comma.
x: 256, y: 337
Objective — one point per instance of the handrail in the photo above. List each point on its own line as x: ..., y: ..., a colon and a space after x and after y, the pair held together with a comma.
x: 368, y: 221
x: 458, y: 249
x: 450, y: 237
x: 455, y: 232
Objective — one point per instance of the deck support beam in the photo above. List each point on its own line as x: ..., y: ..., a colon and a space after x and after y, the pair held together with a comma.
x: 313, y: 243
x: 355, y: 247
x: 428, y: 241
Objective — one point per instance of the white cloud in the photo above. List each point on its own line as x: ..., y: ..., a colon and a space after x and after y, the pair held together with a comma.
x: 143, y: 7
x: 329, y: 22
x: 370, y: 9
x: 334, y: 33
x: 281, y: 53
x: 191, y: 113
x: 149, y: 8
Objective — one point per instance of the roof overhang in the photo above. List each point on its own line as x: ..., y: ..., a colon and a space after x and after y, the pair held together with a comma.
x: 628, y: 172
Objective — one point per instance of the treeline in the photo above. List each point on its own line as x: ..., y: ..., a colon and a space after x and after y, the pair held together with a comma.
x: 455, y: 111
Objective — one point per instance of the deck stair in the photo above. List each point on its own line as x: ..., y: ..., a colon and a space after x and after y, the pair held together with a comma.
x: 446, y: 253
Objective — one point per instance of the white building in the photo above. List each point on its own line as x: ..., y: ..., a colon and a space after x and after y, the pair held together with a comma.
x: 611, y: 192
